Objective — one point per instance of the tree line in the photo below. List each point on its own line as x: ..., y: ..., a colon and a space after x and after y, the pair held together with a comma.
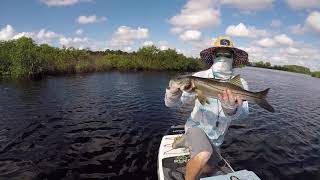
x: 23, y: 58
x: 291, y: 68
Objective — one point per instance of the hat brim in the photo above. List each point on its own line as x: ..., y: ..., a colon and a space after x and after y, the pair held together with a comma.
x: 240, y: 56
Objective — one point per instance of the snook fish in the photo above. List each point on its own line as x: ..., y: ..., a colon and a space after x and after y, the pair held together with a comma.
x: 205, y: 88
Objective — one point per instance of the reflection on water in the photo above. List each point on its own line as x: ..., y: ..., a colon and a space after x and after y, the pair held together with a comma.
x: 109, y: 126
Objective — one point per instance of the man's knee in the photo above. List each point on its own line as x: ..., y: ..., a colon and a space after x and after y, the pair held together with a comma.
x: 203, y: 157
x: 199, y: 143
x: 195, y: 130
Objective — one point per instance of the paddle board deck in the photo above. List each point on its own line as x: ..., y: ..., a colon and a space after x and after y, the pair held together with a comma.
x: 172, y: 162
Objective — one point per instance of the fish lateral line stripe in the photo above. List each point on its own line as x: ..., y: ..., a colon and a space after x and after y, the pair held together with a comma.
x: 214, y: 87
x: 236, y: 92
x: 221, y: 89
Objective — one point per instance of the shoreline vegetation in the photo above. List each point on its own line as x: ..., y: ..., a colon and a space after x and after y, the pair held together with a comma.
x: 24, y: 59
x: 290, y: 68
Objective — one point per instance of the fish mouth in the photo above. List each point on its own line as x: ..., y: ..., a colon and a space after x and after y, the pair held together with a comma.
x: 185, y: 81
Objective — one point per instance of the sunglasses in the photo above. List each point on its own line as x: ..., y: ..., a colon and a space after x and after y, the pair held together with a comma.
x: 225, y: 54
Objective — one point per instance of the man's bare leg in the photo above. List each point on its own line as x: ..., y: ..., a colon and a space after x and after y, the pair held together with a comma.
x: 196, y: 164
x: 207, y: 170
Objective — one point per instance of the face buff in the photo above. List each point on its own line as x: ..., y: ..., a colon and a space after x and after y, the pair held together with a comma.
x: 222, y: 65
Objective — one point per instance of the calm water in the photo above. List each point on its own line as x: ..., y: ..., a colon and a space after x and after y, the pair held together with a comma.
x: 109, y: 126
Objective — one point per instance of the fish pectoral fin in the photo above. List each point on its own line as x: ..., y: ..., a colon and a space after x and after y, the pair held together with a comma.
x: 236, y: 81
x: 203, y: 100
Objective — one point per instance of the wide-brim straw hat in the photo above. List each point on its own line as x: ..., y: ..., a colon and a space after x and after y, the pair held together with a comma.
x: 224, y: 42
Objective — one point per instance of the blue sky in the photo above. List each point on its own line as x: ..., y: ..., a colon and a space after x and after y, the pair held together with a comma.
x: 278, y: 31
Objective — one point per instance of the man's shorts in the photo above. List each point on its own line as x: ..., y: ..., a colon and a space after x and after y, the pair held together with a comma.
x: 198, y: 141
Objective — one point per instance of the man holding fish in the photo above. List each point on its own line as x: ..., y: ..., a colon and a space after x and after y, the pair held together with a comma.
x: 219, y: 98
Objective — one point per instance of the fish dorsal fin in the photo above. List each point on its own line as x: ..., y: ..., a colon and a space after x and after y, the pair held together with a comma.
x: 236, y: 81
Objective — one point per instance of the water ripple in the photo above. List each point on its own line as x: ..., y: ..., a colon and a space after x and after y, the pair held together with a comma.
x: 109, y: 126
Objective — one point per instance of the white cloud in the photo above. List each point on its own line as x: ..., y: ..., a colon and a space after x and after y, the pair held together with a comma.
x: 254, y: 50
x: 126, y: 36
x: 275, y: 23
x: 297, y: 29
x: 303, y: 4
x: 180, y: 51
x: 292, y: 50
x: 62, y: 2
x: 43, y: 36
x: 81, y: 43
x: 283, y: 39
x: 197, y: 46
x: 176, y: 30
x: 7, y: 33
x: 50, y: 37
x: 76, y: 42
x: 197, y: 14
x: 241, y: 30
x: 303, y: 56
x: 128, y: 49
x: 282, y: 50
x: 201, y: 14
x: 147, y: 43
x: 277, y: 41
x: 90, y: 19
x: 313, y: 21
x: 204, y: 43
x: 267, y: 42
x: 163, y: 45
x: 79, y: 31
x: 191, y: 35
x: 249, y: 4
x: 24, y: 34
x: 256, y: 53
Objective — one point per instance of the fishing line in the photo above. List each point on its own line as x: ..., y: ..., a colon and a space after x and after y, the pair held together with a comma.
x: 219, y: 111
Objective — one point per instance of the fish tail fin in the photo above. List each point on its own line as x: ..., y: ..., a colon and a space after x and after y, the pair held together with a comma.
x: 263, y: 94
x: 262, y: 102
